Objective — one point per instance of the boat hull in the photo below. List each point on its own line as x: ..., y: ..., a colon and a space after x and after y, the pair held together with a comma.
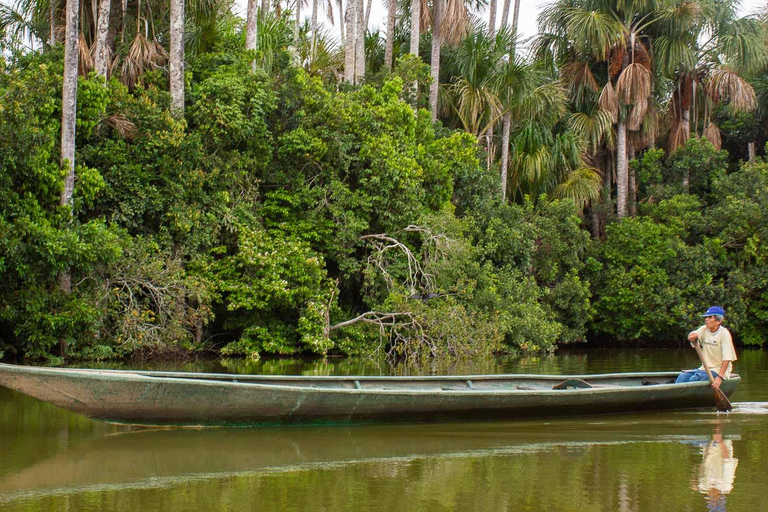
x: 167, y: 398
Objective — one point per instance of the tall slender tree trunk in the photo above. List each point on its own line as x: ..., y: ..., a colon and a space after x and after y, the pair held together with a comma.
x: 52, y: 22
x: 492, y: 17
x: 631, y: 185
x: 341, y: 22
x: 368, y: 14
x: 434, y: 65
x: 415, y: 26
x: 622, y: 169
x: 751, y: 151
x: 101, y: 63
x: 390, y: 43
x: 505, y: 13
x: 349, y: 48
x: 298, y: 23
x: 264, y: 8
x: 251, y: 27
x: 314, y: 30
x: 68, y: 122
x: 360, y: 43
x: 505, y: 131
x: 516, y: 18
x: 685, y: 120
x: 176, y: 64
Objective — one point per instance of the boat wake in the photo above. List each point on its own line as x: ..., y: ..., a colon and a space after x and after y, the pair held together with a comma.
x: 752, y: 408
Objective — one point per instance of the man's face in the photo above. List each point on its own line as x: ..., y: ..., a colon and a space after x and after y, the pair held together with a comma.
x: 712, y: 323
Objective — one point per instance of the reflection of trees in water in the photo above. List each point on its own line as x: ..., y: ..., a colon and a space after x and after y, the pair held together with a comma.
x: 717, y: 471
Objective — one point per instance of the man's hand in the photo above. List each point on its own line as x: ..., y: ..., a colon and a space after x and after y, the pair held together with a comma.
x: 718, y: 381
x: 693, y: 336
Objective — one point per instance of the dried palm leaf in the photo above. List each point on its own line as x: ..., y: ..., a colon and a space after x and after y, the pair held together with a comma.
x: 634, y: 84
x: 637, y: 114
x: 726, y: 85
x: 454, y: 22
x: 121, y: 125
x: 712, y: 134
x: 678, y: 135
x: 579, y: 76
x: 609, y: 101
x: 685, y: 91
x: 143, y: 56
x: 84, y: 61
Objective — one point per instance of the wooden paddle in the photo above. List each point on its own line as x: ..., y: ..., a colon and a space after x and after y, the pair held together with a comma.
x: 721, y: 401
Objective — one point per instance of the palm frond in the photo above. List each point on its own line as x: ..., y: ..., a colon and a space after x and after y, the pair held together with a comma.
x: 712, y: 134
x: 581, y: 186
x: 637, y: 114
x: 594, y: 128
x: 634, y: 84
x: 725, y: 85
x: 609, y: 101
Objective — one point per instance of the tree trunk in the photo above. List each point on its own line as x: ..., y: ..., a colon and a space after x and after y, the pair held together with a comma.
x: 368, y: 14
x: 102, y: 31
x: 176, y: 58
x: 622, y: 169
x: 341, y: 22
x: 298, y: 23
x: 349, y: 49
x: 68, y: 123
x: 314, y: 30
x: 505, y: 132
x: 434, y: 66
x: 492, y: 17
x: 264, y: 8
x: 751, y: 151
x: 515, y: 18
x: 390, y: 43
x: 632, y: 185
x: 505, y: 14
x: 415, y: 26
x: 360, y: 43
x: 251, y: 28
x: 52, y: 22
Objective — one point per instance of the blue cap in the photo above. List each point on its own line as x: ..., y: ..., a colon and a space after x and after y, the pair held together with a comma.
x: 714, y: 310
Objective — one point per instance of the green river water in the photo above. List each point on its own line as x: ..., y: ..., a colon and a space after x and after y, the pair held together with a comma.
x: 53, y: 460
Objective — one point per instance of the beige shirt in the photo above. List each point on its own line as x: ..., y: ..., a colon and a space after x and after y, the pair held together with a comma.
x: 717, y: 347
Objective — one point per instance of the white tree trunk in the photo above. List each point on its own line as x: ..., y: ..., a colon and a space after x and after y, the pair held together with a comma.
x: 360, y: 43
x: 434, y: 66
x: 349, y: 44
x: 298, y: 23
x: 314, y: 29
x: 176, y: 58
x: 505, y: 132
x: 102, y: 31
x: 251, y: 27
x: 368, y: 13
x: 415, y: 26
x: 341, y: 22
x: 622, y: 168
x: 685, y: 119
x: 68, y: 122
x: 751, y: 150
x: 505, y: 13
x: 264, y: 8
x: 390, y: 43
x: 516, y: 18
x: 69, y: 101
x: 492, y: 17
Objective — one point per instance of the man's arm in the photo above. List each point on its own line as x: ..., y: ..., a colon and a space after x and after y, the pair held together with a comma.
x: 719, y: 379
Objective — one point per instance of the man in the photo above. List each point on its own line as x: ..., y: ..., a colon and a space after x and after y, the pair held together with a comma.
x: 716, y: 346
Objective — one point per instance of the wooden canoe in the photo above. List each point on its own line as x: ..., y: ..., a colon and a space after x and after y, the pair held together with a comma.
x: 212, y: 399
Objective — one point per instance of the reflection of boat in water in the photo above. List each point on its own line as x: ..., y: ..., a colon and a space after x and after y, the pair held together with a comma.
x: 171, y: 398
x: 162, y: 458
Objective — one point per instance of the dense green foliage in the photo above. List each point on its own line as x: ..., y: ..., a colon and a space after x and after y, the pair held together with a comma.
x: 281, y: 216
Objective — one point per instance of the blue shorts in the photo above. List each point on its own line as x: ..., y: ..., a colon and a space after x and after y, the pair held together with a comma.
x: 694, y: 376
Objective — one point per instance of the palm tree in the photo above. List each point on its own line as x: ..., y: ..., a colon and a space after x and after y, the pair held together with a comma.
x: 176, y: 61
x: 706, y: 50
x: 360, y: 42
x: 349, y: 43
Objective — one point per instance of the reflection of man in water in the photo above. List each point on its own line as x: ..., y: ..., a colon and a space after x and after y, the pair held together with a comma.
x: 717, y: 471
